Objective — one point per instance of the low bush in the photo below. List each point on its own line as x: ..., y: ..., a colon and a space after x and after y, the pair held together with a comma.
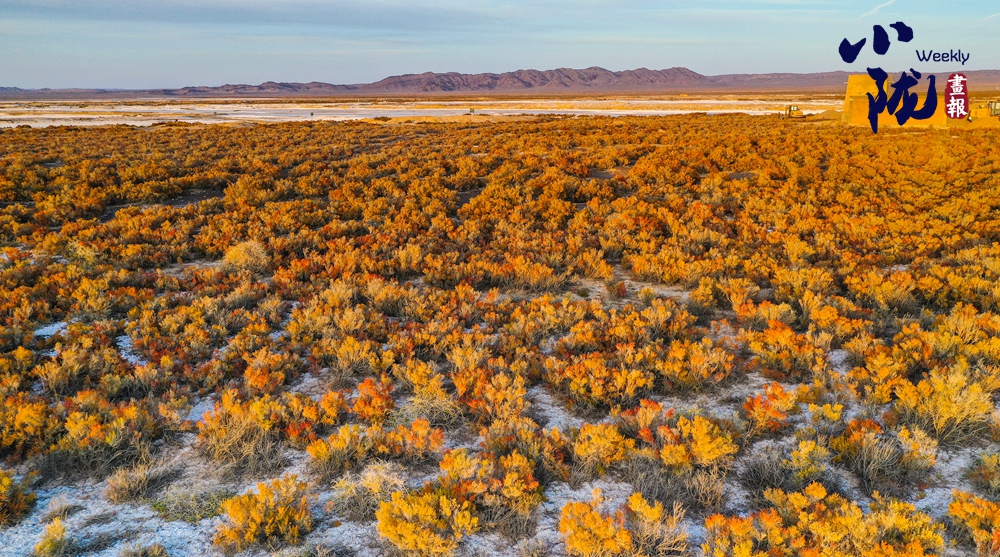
x: 640, y: 529
x: 768, y: 411
x: 155, y: 550
x: 278, y: 513
x: 248, y: 256
x: 425, y: 524
x: 977, y: 520
x: 985, y: 474
x: 694, y: 365
x: 812, y: 522
x: 352, y: 445
x: 591, y: 532
x: 16, y: 499
x: 773, y: 468
x: 948, y: 405
x: 358, y: 496
x: 885, y: 461
x: 54, y: 541
x: 598, y: 446
x: 243, y: 437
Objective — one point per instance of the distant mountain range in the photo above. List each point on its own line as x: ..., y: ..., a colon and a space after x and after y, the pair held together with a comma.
x: 535, y: 82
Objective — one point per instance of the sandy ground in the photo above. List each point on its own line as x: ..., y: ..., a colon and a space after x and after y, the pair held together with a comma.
x: 144, y: 113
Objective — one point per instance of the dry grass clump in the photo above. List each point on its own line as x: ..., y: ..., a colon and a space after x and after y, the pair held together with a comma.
x: 885, y: 461
x: 190, y: 506
x: 248, y: 256
x: 58, y: 507
x: 155, y: 550
x: 775, y: 468
x: 240, y: 437
x: 137, y: 482
x: 358, y: 496
x: 696, y: 489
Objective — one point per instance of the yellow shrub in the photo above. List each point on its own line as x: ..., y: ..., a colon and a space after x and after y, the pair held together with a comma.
x: 813, y: 523
x: 596, y: 380
x: 53, y: 542
x: 278, y: 513
x: 352, y: 444
x: 782, y: 353
x: 947, y: 404
x: 985, y: 474
x: 425, y: 524
x: 16, y: 500
x: 690, y: 365
x: 590, y: 533
x: 601, y: 445
x: 768, y: 411
x: 247, y: 256
x: 654, y: 531
x: 808, y: 461
x: 695, y: 442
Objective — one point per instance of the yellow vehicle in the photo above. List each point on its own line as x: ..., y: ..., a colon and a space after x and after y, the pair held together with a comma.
x: 984, y: 110
x: 792, y: 111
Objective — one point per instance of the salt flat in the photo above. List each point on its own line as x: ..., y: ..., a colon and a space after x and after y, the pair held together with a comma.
x: 148, y: 112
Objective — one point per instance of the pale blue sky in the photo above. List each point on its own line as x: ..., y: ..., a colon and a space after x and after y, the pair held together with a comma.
x: 173, y: 43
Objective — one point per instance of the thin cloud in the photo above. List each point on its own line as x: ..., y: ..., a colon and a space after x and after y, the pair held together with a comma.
x: 992, y: 16
x: 877, y: 8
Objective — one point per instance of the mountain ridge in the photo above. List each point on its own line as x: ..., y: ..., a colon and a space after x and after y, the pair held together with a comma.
x: 556, y: 81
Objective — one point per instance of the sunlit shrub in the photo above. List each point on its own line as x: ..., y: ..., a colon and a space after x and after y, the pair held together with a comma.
x: 597, y: 447
x: 689, y: 365
x: 352, y: 445
x: 947, y: 404
x: 374, y: 401
x: 425, y: 524
x: 768, y: 411
x: 783, y: 354
x: 358, y: 496
x: 278, y: 513
x: 985, y: 474
x: 247, y: 256
x: 16, y: 499
x: 54, y: 541
x: 694, y: 442
x: 817, y: 523
x: 885, y: 460
x: 588, y: 532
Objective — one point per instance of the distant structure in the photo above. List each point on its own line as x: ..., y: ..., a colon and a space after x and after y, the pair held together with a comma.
x: 981, y: 113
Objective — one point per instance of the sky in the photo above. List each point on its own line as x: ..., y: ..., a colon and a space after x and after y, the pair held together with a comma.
x: 176, y: 43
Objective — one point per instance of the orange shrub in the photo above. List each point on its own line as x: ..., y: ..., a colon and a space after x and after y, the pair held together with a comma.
x: 590, y: 533
x: 782, y: 354
x: 374, y: 400
x: 768, y: 411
